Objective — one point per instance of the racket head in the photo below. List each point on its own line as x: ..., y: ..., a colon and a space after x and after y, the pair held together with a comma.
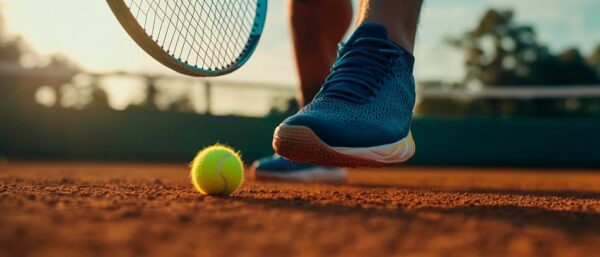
x: 160, y: 43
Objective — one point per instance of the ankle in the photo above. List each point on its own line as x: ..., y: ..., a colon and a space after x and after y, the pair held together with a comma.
x: 403, y: 41
x: 398, y: 34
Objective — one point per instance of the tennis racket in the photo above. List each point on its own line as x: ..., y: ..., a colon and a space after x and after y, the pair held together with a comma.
x: 194, y: 37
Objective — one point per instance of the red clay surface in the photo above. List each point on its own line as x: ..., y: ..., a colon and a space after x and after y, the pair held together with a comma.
x: 152, y: 210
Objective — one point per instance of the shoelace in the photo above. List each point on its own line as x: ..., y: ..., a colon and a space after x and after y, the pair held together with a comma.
x: 358, y: 73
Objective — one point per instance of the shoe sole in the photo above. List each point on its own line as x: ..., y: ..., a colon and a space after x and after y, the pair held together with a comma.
x: 316, y: 175
x: 299, y: 143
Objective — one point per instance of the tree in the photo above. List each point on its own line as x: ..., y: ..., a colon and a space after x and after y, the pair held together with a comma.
x: 20, y: 82
x: 594, y: 60
x: 500, y: 52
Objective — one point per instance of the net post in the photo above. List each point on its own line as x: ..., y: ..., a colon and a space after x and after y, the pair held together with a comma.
x: 208, y: 97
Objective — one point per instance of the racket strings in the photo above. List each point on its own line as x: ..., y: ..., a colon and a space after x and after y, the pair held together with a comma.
x: 208, y: 34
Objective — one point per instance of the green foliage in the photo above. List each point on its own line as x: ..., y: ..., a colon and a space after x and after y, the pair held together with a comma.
x: 594, y: 60
x: 23, y: 72
x: 499, y: 52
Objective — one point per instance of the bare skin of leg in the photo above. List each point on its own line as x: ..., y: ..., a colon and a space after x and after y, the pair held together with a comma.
x: 400, y: 17
x: 317, y: 27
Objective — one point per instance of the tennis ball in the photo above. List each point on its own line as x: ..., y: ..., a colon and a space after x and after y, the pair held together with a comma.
x: 217, y: 170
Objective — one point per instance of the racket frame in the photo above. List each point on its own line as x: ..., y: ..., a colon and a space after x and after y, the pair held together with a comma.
x: 150, y: 46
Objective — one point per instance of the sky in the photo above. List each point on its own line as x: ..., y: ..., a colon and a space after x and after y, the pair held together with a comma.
x: 86, y: 32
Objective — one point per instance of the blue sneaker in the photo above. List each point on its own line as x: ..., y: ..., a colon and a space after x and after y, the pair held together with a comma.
x: 278, y: 168
x: 363, y: 112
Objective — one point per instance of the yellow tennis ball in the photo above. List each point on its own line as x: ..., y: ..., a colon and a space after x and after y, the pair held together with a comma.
x: 217, y: 170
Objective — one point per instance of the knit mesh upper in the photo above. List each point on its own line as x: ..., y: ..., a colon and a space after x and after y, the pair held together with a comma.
x: 382, y: 118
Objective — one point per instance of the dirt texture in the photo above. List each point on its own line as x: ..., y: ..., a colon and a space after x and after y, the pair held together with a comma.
x: 87, y: 209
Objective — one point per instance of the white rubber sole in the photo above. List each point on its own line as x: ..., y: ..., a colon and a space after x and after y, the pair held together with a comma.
x: 396, y: 152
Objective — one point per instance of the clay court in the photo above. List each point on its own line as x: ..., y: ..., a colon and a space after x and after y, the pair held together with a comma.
x: 83, y: 209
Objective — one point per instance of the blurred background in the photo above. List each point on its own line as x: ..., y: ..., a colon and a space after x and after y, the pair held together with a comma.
x: 500, y: 83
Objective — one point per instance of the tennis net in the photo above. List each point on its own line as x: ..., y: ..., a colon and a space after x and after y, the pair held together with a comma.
x: 571, y: 100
